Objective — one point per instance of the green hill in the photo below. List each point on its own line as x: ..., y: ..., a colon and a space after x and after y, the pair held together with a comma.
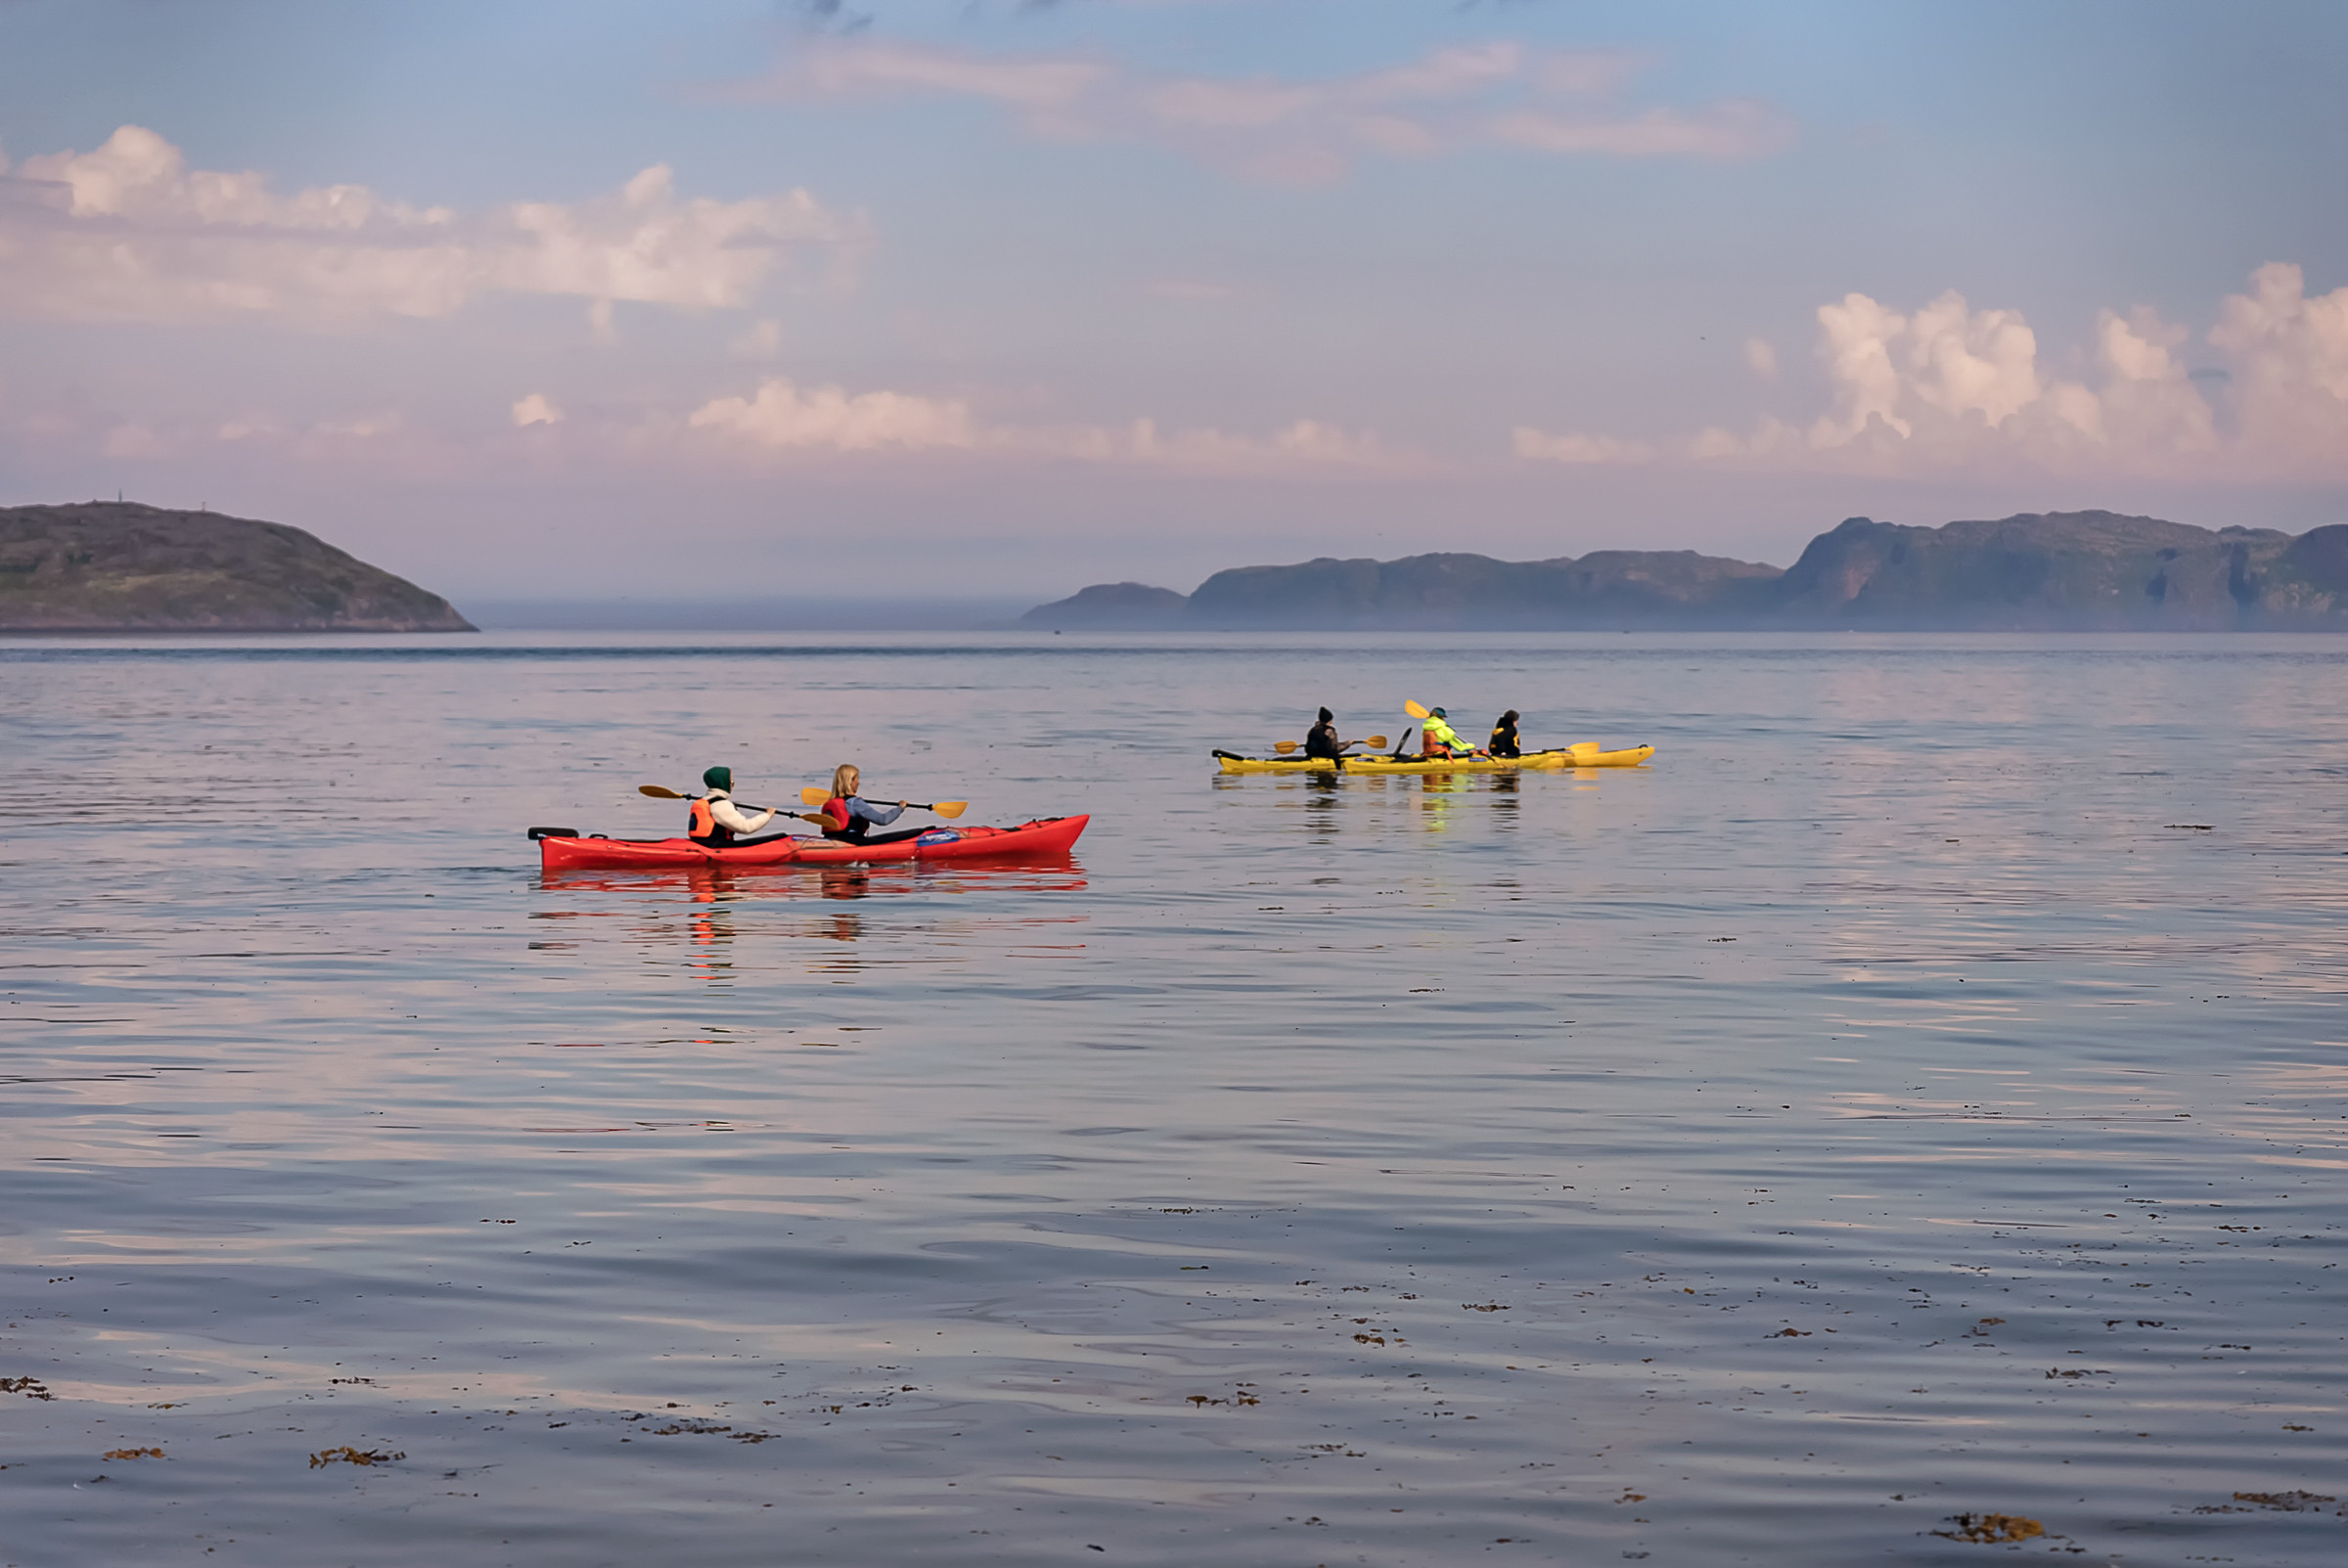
x: 120, y: 566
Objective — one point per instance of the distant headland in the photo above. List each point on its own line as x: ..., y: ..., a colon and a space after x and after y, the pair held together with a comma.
x: 120, y: 566
x: 2039, y: 571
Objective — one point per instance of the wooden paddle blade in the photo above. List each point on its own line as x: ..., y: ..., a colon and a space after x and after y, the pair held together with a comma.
x: 1375, y: 743
x: 659, y: 793
x: 1283, y: 747
x: 814, y: 797
x: 1416, y: 710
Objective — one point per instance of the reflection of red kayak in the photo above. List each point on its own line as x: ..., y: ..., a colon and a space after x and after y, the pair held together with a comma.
x: 1041, y: 872
x: 566, y: 851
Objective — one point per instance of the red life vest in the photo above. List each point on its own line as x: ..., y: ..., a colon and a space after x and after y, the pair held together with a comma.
x: 836, y: 812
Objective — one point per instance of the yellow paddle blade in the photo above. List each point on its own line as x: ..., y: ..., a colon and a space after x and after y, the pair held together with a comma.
x: 1283, y: 747
x: 659, y: 793
x: 1375, y: 743
x: 951, y: 808
x: 1415, y: 710
x: 814, y: 797
x: 1582, y: 749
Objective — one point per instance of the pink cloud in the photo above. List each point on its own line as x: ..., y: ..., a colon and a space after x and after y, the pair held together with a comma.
x: 1496, y: 94
x: 128, y: 232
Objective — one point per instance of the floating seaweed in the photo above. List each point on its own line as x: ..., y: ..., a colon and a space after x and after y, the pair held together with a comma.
x: 347, y: 1454
x: 30, y: 1387
x: 1991, y: 1528
x: 1239, y: 1396
x: 134, y: 1454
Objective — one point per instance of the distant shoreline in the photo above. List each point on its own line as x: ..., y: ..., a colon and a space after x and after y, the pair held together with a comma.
x: 2032, y: 573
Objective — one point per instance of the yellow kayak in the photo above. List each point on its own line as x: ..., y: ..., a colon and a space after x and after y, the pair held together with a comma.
x: 1546, y: 761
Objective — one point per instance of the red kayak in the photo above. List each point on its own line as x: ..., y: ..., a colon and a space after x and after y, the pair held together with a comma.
x: 561, y: 850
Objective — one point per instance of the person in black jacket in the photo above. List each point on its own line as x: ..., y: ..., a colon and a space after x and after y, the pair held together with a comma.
x: 1321, y: 741
x: 1504, y: 741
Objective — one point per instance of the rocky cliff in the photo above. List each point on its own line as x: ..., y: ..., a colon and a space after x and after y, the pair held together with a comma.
x: 115, y: 566
x: 2074, y: 570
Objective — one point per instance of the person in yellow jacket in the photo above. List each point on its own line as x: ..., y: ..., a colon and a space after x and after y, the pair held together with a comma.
x: 1440, y: 739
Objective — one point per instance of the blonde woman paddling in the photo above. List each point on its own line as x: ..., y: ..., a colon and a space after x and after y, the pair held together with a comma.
x: 850, y: 818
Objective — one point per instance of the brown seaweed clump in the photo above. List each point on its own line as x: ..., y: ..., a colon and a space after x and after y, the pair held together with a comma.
x: 1991, y: 1528
x: 347, y: 1454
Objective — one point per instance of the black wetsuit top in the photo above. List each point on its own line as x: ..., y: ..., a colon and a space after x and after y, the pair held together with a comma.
x: 1503, y: 740
x: 1322, y: 741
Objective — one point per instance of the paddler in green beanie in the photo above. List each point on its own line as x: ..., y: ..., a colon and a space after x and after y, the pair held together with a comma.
x: 1440, y: 739
x: 716, y: 821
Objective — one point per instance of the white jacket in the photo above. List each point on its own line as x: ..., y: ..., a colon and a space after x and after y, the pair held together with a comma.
x: 724, y: 813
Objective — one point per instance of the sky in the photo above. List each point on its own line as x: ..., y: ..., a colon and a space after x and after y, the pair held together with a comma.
x: 900, y: 298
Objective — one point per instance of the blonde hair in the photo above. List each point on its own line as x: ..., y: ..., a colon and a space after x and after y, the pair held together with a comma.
x: 844, y: 779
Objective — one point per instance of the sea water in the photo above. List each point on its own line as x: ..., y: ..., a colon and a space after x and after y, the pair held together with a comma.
x: 1919, y: 1095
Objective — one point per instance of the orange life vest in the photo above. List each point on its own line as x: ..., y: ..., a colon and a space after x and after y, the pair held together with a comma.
x: 703, y: 827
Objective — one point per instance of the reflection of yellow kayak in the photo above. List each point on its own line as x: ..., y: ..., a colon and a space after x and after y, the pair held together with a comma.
x: 1544, y: 761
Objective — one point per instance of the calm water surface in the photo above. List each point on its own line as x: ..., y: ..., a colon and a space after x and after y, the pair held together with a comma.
x: 1922, y: 1091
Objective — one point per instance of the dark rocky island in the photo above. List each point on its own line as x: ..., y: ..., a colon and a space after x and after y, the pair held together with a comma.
x: 120, y: 566
x: 2050, y: 571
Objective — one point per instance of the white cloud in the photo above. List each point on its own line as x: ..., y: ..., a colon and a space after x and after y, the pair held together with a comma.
x: 2147, y: 398
x: 129, y: 232
x: 780, y: 414
x: 1948, y: 385
x: 1945, y: 357
x: 365, y: 427
x: 1305, y: 443
x: 1574, y: 448
x: 1762, y: 356
x: 1488, y: 94
x: 251, y: 428
x: 2289, y: 355
x: 535, y: 410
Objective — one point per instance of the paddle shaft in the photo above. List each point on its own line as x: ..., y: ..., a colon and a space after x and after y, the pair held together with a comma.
x: 658, y: 792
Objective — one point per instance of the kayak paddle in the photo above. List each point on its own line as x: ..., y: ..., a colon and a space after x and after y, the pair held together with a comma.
x: 659, y: 793
x: 1417, y: 710
x: 948, y: 809
x: 1376, y: 743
